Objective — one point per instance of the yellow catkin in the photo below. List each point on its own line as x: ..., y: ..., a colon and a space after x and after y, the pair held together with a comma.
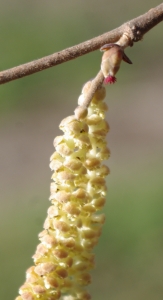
x: 64, y: 257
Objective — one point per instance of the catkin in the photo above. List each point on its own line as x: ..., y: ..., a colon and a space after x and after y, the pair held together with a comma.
x: 64, y: 257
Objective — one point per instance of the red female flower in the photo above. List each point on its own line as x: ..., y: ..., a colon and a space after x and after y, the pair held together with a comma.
x: 111, y: 60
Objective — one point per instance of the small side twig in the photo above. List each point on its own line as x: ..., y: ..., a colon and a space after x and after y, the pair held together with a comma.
x: 136, y: 28
x: 95, y: 84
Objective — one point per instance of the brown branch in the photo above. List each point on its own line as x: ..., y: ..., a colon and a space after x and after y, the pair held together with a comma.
x: 135, y: 29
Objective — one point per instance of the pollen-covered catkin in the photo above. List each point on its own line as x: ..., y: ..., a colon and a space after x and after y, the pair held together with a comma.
x: 64, y: 257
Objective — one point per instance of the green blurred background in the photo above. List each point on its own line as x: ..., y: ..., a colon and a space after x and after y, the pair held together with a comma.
x: 129, y: 257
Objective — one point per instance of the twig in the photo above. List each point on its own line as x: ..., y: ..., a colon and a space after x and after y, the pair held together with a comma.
x: 136, y: 28
x: 96, y: 83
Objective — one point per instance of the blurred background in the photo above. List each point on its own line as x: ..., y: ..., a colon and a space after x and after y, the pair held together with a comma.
x: 129, y: 256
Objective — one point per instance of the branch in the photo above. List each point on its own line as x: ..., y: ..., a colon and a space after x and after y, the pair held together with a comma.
x: 135, y: 29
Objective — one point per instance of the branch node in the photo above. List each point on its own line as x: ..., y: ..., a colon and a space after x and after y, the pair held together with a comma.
x: 127, y: 38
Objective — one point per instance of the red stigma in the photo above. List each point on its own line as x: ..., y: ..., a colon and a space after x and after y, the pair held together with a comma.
x: 110, y: 79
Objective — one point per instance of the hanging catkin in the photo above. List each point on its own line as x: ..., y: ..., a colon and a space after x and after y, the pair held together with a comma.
x: 64, y: 257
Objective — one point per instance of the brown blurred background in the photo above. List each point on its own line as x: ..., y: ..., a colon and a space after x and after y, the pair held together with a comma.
x: 129, y: 257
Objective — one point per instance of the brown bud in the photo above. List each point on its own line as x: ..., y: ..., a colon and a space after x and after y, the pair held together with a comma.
x: 72, y: 209
x: 73, y: 164
x: 60, y: 253
x: 45, y: 268
x: 62, y: 272
x: 61, y: 226
x: 49, y: 241
x: 50, y: 282
x: 38, y: 289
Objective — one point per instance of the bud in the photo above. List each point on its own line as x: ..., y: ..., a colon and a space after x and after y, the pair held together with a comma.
x: 111, y: 60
